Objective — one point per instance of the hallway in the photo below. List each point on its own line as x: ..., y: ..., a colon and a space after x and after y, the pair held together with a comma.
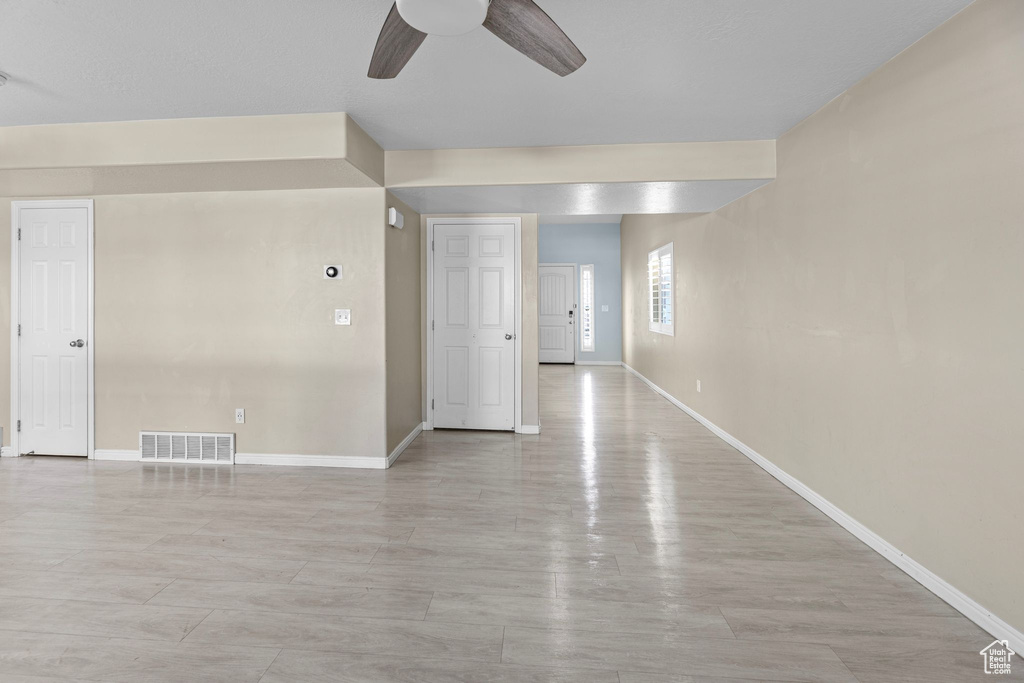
x: 624, y: 544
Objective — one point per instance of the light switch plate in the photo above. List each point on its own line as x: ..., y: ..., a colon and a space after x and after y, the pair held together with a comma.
x: 342, y: 316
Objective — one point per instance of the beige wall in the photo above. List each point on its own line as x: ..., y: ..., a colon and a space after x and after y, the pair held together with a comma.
x: 404, y: 325
x: 209, y: 296
x: 184, y: 141
x: 221, y: 176
x: 859, y: 321
x: 243, y: 153
x: 531, y: 323
x: 676, y: 161
x: 530, y: 340
x: 215, y: 301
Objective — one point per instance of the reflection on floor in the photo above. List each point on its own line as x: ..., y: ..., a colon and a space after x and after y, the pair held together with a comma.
x: 625, y: 544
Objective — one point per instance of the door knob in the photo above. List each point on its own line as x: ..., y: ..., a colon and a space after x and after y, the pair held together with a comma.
x: 80, y: 343
x: 508, y: 337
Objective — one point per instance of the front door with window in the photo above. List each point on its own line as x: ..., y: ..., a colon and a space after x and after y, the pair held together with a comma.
x: 54, y: 322
x: 474, y: 322
x: 556, y: 308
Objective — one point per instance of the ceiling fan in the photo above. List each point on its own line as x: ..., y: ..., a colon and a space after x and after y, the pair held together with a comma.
x: 520, y: 23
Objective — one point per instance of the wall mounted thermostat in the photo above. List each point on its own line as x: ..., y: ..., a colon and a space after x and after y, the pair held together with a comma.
x: 342, y: 316
x: 332, y: 272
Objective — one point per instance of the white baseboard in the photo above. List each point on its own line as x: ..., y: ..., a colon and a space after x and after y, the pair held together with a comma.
x: 270, y: 459
x: 598, y: 362
x: 111, y: 454
x: 937, y: 585
x: 356, y: 461
x: 400, y: 448
x: 8, y: 452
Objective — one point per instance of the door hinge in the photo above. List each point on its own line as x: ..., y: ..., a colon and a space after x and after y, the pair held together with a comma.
x: 431, y: 324
x: 19, y: 425
x: 19, y: 329
x: 431, y: 407
x: 19, y: 233
x: 431, y: 242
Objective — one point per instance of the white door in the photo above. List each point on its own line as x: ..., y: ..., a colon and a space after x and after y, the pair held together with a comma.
x: 474, y: 326
x: 556, y: 304
x: 54, y: 319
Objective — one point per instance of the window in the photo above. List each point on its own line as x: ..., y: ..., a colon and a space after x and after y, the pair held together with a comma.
x: 661, y: 313
x: 587, y: 306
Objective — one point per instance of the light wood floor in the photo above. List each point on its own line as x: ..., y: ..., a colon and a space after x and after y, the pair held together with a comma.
x: 625, y: 544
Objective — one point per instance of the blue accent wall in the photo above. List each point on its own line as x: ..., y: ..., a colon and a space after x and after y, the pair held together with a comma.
x: 598, y: 244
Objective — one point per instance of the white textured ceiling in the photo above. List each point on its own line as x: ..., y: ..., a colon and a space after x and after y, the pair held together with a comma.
x: 587, y: 199
x: 658, y: 70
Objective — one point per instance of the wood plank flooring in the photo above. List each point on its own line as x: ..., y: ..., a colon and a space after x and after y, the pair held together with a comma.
x: 624, y: 544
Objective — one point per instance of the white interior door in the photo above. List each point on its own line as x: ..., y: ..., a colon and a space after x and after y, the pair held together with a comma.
x: 556, y: 303
x: 54, y: 318
x: 474, y: 326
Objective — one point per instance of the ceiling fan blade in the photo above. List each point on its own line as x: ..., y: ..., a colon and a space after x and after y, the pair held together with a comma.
x: 529, y: 29
x: 396, y: 45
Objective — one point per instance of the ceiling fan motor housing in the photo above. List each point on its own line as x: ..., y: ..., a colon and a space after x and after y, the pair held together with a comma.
x: 444, y: 17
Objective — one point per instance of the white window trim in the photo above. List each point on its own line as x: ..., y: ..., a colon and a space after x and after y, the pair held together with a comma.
x: 593, y: 309
x: 667, y: 329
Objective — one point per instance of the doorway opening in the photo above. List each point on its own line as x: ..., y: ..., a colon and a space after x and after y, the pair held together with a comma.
x: 580, y: 290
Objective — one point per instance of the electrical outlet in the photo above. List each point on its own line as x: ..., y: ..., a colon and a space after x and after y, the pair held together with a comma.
x: 240, y: 416
x: 342, y: 316
x: 698, y: 386
x: 604, y: 308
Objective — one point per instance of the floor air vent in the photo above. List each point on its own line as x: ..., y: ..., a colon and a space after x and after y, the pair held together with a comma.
x: 187, y: 447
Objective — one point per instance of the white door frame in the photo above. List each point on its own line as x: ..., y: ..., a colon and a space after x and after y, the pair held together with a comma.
x: 518, y: 306
x: 575, y: 304
x: 90, y: 347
